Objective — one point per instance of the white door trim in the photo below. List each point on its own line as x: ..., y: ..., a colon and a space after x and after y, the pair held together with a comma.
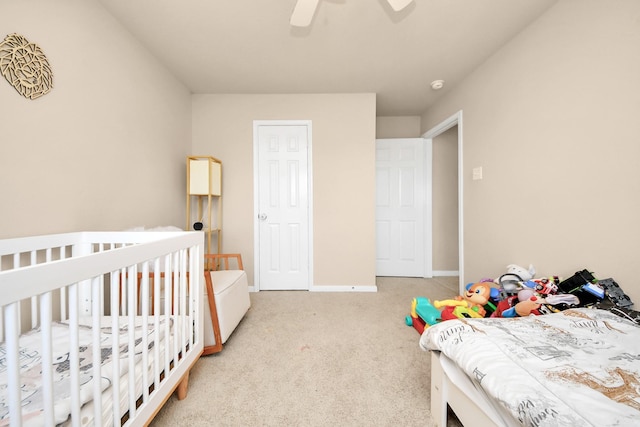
x: 256, y: 207
x: 455, y: 119
x: 428, y: 208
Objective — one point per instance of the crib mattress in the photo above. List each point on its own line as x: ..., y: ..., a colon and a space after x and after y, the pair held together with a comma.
x: 31, y: 367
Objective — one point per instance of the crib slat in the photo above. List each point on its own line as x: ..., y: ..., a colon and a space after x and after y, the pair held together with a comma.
x: 12, y: 322
x: 156, y: 321
x: 168, y: 297
x: 34, y: 299
x: 74, y: 358
x: 115, y: 349
x: 46, y: 315
x: 183, y: 300
x: 191, y: 313
x: 175, y: 278
x: 63, y: 292
x: 131, y: 291
x: 101, y: 248
x: 145, y: 331
x: 96, y: 303
x: 16, y: 265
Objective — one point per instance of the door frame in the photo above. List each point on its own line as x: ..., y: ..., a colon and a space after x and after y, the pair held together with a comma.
x: 448, y: 123
x: 256, y: 200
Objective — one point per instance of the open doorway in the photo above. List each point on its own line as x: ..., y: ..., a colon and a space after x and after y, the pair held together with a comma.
x: 444, y: 215
x: 454, y: 121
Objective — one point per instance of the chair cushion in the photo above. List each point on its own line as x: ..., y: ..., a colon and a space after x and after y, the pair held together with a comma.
x: 224, y: 279
x: 231, y: 293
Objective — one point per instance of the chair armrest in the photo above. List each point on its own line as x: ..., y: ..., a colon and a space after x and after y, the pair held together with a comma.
x: 214, y: 262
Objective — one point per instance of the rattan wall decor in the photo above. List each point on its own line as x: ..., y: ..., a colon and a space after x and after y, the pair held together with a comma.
x: 25, y: 66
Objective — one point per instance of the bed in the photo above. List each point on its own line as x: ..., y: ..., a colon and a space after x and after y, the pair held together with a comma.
x: 97, y: 328
x: 576, y: 367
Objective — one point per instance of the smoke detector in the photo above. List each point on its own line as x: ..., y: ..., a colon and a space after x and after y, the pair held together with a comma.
x: 437, y: 84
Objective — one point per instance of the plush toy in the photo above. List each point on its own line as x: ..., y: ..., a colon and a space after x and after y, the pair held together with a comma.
x: 475, y: 298
x: 504, y: 306
x: 529, y: 306
x: 522, y: 272
x: 515, y: 279
x: 527, y: 303
x: 533, y: 302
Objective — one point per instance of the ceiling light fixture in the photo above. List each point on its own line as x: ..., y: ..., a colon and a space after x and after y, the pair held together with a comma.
x: 304, y: 10
x: 437, y: 84
x: 398, y: 5
x: 303, y: 13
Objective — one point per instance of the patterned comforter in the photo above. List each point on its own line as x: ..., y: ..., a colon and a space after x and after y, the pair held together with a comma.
x: 577, y: 367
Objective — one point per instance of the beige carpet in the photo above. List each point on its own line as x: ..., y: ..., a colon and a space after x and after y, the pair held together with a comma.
x: 316, y: 359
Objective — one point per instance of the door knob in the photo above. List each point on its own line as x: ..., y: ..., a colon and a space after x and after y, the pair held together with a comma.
x: 262, y: 216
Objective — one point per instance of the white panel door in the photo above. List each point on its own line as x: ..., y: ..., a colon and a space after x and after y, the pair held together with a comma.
x: 283, y: 207
x: 400, y: 207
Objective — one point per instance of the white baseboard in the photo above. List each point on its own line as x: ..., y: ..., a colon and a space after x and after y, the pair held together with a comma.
x: 441, y: 273
x: 335, y: 289
x: 346, y: 288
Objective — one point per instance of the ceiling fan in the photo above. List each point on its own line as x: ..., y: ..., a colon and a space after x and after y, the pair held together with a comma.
x: 305, y: 9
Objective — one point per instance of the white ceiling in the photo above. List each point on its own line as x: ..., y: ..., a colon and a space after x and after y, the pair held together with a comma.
x: 351, y: 46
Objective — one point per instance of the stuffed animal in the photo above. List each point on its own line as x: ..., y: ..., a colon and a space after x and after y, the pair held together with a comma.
x: 527, y: 303
x: 529, y: 306
x: 522, y: 272
x: 476, y: 296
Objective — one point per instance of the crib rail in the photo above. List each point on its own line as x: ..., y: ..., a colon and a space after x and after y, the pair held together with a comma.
x: 100, y: 285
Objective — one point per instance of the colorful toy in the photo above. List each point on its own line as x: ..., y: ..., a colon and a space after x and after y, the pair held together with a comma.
x: 476, y: 299
x: 528, y: 302
x: 449, y: 303
x: 511, y: 282
x: 465, y: 313
x: 547, y: 285
x: 423, y: 314
x: 524, y: 308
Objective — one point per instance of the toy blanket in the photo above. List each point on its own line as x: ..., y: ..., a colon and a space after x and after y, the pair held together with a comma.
x: 576, y: 367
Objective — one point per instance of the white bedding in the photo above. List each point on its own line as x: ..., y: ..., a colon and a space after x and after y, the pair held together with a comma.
x: 31, y: 367
x: 576, y: 367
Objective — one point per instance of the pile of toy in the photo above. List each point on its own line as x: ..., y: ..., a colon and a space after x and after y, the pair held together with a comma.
x: 518, y: 293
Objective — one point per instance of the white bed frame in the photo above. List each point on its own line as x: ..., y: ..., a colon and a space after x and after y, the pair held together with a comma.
x: 451, y: 386
x: 67, y: 276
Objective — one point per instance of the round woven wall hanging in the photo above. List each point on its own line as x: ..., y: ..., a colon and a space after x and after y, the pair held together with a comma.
x: 25, y: 66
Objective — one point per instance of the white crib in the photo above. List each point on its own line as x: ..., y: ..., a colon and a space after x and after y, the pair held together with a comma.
x: 97, y: 328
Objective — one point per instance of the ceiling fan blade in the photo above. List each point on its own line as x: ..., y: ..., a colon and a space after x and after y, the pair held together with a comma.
x: 303, y: 13
x: 398, y: 5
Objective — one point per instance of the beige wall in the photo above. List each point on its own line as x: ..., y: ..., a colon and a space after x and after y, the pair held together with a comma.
x: 553, y: 120
x: 105, y: 148
x: 343, y: 153
x: 445, y: 202
x: 398, y: 127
